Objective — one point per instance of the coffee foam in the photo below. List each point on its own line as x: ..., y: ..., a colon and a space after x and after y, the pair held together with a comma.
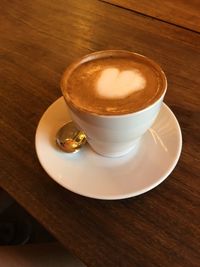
x: 114, y: 83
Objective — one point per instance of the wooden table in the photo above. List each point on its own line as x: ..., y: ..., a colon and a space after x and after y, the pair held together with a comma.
x: 38, y: 40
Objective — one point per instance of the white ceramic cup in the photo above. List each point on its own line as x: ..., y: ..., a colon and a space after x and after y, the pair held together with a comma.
x: 115, y: 135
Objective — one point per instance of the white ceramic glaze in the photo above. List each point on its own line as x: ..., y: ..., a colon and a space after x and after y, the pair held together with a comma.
x: 114, y: 136
x: 92, y: 175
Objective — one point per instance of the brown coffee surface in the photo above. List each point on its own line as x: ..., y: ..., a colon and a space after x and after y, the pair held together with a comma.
x: 80, y: 81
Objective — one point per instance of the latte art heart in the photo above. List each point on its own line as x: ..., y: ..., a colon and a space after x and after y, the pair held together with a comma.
x: 114, y: 83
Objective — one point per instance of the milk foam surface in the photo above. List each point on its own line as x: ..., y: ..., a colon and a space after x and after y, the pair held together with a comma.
x: 114, y: 83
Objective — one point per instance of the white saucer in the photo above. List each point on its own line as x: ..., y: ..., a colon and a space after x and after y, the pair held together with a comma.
x: 92, y: 175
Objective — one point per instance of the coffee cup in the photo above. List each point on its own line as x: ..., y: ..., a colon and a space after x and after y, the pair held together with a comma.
x: 114, y: 97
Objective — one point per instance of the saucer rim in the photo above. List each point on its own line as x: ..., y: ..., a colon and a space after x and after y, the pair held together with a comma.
x: 117, y: 196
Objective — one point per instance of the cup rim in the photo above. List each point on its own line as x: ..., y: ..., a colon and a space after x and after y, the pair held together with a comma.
x: 86, y: 58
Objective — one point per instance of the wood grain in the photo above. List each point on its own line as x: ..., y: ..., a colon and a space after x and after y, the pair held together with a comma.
x: 178, y: 12
x: 38, y: 40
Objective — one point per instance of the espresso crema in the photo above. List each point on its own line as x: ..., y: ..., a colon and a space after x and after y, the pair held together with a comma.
x: 113, y: 82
